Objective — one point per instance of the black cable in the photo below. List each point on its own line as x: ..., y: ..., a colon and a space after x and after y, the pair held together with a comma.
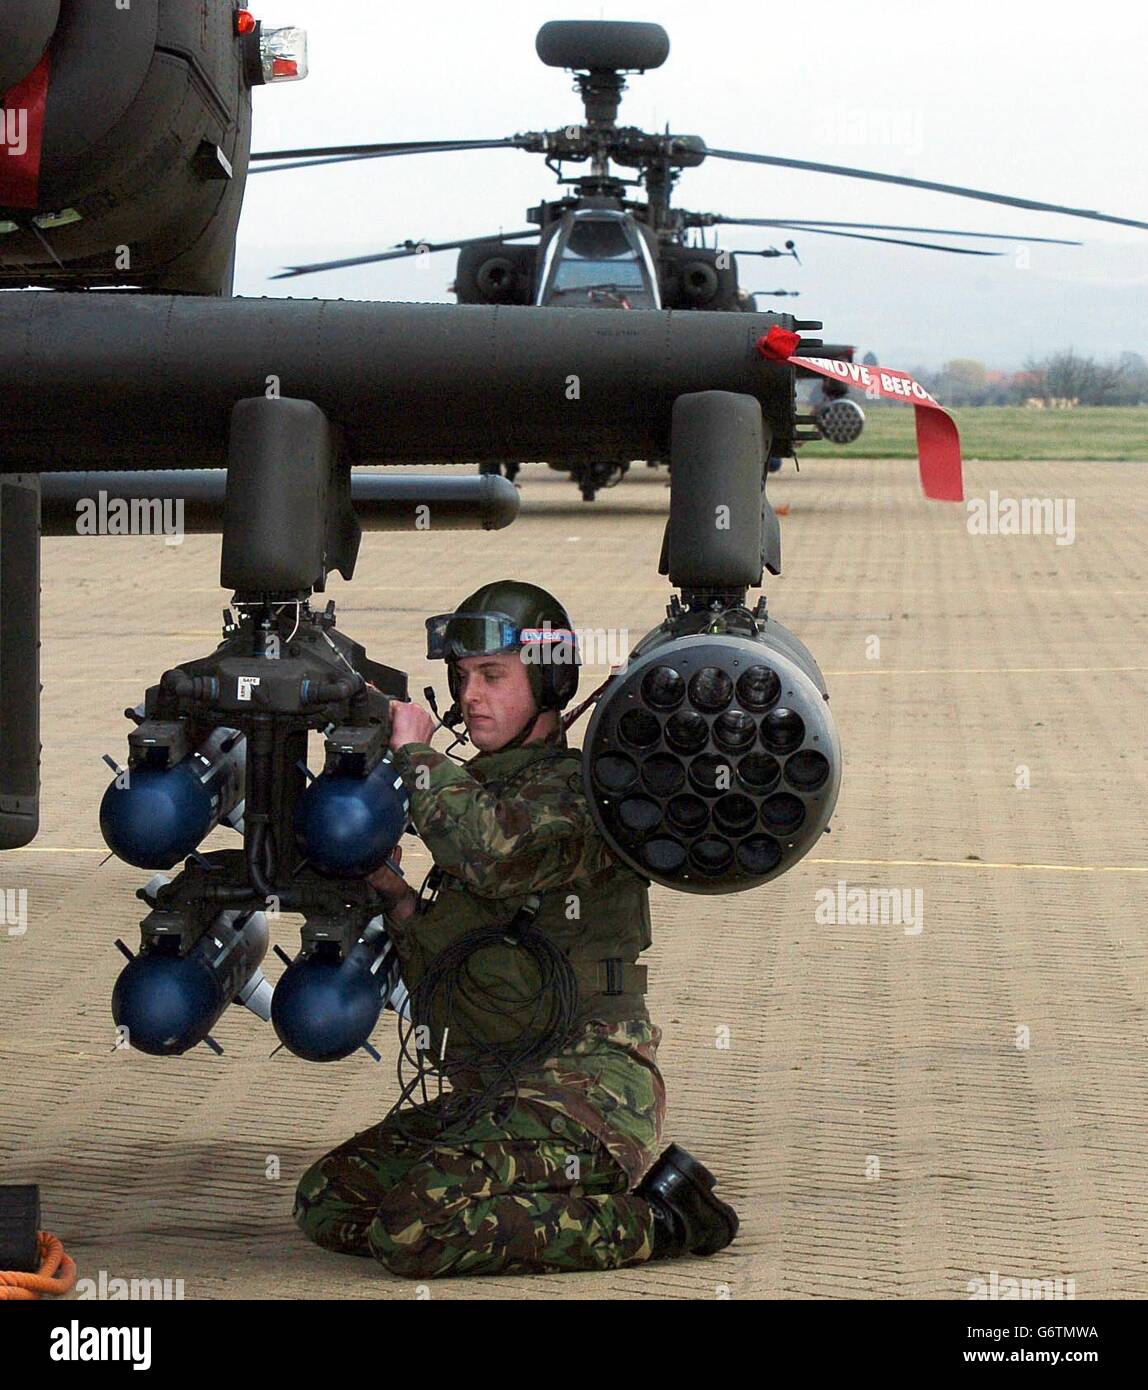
x: 558, y: 985
x: 555, y: 1005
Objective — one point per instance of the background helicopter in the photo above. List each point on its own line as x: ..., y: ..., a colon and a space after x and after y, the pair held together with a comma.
x: 601, y: 247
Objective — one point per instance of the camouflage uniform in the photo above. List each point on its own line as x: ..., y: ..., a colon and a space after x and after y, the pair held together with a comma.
x: 546, y: 1186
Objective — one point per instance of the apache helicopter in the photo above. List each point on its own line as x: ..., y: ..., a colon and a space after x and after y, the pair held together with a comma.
x: 600, y: 248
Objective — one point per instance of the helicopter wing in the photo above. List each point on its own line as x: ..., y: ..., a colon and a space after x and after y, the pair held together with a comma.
x: 902, y: 180
x: 398, y: 253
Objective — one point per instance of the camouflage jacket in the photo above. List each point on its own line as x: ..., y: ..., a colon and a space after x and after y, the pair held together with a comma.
x: 512, y: 823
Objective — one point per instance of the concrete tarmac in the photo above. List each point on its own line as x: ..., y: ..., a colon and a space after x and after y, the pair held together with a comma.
x: 895, y: 1110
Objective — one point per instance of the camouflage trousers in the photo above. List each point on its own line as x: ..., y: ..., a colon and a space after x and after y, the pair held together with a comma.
x: 533, y: 1193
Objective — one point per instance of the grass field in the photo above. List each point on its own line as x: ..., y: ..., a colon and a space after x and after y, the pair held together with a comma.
x: 1116, y: 433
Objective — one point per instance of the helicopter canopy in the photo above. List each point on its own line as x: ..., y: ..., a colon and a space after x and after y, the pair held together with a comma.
x: 598, y: 259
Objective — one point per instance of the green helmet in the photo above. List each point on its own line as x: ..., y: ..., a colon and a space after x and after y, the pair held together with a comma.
x: 511, y: 615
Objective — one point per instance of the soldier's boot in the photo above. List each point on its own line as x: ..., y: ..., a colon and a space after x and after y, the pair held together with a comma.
x: 688, y: 1217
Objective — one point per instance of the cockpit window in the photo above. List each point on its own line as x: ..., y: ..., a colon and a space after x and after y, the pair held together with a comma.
x: 576, y: 274
x: 598, y: 253
x: 599, y: 266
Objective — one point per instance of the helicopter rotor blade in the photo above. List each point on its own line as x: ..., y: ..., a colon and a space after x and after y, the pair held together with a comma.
x: 408, y: 248
x: 1006, y: 201
x: 309, y: 163
x: 332, y: 154
x: 805, y: 224
x: 890, y: 240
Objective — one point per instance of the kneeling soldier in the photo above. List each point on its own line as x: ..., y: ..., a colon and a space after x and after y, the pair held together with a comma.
x: 526, y: 988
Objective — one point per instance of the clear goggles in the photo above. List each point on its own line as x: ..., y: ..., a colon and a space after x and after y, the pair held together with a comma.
x: 454, y: 635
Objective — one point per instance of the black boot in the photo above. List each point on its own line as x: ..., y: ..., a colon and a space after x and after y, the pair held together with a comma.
x: 688, y: 1218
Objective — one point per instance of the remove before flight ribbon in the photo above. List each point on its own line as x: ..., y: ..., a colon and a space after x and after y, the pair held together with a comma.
x: 938, y: 442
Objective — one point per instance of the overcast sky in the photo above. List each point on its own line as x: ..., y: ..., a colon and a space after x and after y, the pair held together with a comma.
x: 1044, y: 101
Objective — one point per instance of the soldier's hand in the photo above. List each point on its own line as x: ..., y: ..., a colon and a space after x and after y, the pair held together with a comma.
x: 410, y: 723
x: 398, y: 896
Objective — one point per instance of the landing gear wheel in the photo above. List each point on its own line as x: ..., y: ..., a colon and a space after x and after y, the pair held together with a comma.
x: 592, y: 476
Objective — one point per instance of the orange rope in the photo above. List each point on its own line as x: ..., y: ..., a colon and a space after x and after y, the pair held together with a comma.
x: 57, y: 1273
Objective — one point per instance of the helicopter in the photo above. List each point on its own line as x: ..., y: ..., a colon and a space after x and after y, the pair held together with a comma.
x: 615, y: 242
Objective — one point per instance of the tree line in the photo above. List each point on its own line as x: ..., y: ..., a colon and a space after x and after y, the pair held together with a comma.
x: 1063, y: 378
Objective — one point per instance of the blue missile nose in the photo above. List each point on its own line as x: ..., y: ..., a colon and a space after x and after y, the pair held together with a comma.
x: 346, y: 826
x: 167, y: 1004
x: 323, y: 1010
x: 158, y: 818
